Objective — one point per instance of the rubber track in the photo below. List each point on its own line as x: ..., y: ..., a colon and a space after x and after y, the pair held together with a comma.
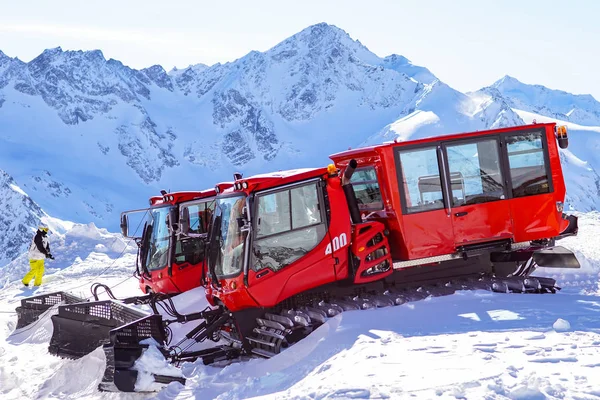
x: 276, y: 331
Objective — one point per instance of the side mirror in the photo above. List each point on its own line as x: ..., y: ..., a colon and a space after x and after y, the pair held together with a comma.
x: 184, y: 220
x: 124, y: 225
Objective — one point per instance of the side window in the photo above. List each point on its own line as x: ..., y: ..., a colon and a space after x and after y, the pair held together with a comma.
x: 420, y: 180
x: 475, y: 172
x: 200, y: 216
x: 366, y: 189
x: 288, y: 225
x: 191, y: 250
x: 528, y: 172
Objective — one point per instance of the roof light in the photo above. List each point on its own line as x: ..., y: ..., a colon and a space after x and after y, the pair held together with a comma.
x: 561, y: 130
x: 245, y: 185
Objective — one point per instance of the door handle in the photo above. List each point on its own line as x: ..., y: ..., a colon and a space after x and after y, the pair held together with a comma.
x: 262, y: 273
x: 460, y: 214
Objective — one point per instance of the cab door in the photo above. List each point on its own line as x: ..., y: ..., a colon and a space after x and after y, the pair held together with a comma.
x: 291, y: 248
x: 479, y: 206
x: 426, y: 224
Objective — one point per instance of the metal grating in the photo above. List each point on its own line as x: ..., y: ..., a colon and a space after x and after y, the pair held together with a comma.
x: 108, y: 310
x: 50, y: 299
x: 147, y: 327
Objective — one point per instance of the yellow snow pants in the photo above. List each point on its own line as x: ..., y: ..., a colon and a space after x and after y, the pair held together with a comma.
x: 36, y: 268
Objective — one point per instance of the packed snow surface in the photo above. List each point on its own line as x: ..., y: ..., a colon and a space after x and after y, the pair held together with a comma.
x: 473, y: 344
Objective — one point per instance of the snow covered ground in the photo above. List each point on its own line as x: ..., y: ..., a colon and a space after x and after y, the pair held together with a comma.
x: 474, y: 345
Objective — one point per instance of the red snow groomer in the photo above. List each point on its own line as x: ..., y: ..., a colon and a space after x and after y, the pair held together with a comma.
x: 170, y: 263
x: 166, y: 264
x: 382, y: 226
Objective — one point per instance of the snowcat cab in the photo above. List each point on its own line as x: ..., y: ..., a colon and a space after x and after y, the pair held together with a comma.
x: 446, y: 198
x: 383, y: 226
x: 170, y: 261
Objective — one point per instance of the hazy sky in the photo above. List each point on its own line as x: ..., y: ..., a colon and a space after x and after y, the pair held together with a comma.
x: 466, y: 43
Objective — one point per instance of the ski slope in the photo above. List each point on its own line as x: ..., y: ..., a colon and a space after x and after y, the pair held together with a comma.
x: 475, y: 345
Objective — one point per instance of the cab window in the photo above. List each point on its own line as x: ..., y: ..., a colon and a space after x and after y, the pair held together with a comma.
x: 366, y: 189
x: 200, y: 216
x: 191, y: 249
x: 475, y: 172
x: 527, y: 162
x: 289, y: 224
x: 420, y: 180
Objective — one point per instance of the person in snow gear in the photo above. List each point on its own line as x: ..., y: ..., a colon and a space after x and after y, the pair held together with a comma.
x: 39, y: 250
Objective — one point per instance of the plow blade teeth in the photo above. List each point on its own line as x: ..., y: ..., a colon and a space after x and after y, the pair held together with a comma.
x: 32, y: 307
x: 122, y: 351
x: 80, y: 328
x: 556, y: 257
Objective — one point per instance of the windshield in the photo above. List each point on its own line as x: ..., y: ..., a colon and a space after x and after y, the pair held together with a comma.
x: 231, y: 241
x: 158, y: 242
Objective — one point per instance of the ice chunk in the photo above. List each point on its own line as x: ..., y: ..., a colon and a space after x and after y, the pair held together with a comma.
x: 561, y: 325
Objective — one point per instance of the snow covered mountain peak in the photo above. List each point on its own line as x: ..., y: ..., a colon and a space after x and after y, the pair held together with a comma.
x: 581, y: 109
x: 404, y: 65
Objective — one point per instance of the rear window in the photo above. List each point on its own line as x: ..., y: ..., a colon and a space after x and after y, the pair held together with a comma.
x: 528, y: 169
x: 366, y: 189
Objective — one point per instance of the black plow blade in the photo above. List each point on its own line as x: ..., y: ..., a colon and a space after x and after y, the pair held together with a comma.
x: 124, y: 349
x: 32, y: 307
x: 555, y: 257
x: 80, y: 328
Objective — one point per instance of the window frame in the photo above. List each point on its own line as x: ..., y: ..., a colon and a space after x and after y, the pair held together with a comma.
x: 546, y: 155
x: 247, y: 244
x: 474, y: 140
x: 170, y: 247
x: 444, y: 169
x: 369, y: 207
x: 318, y: 182
x: 400, y: 149
x: 206, y: 201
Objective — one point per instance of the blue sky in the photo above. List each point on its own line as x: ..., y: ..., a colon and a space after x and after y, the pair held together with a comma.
x: 466, y: 43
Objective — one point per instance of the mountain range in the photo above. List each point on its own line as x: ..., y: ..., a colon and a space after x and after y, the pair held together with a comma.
x: 83, y: 138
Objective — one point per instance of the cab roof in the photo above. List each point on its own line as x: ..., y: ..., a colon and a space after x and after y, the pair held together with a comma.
x: 273, y: 179
x: 373, y: 151
x: 180, y: 197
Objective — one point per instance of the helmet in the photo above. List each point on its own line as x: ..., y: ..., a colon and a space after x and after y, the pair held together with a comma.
x: 43, y: 228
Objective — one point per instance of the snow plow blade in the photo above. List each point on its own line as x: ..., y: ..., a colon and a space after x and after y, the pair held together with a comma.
x: 556, y: 257
x: 124, y: 348
x: 82, y: 327
x: 549, y: 257
x: 32, y: 307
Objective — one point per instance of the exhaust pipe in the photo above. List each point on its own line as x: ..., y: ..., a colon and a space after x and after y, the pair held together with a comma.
x: 349, y: 192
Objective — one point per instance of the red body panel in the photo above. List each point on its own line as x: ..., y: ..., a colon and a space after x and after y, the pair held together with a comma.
x: 536, y: 217
x: 482, y: 222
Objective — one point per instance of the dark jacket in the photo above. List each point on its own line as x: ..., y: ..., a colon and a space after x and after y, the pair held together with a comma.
x: 40, y: 246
